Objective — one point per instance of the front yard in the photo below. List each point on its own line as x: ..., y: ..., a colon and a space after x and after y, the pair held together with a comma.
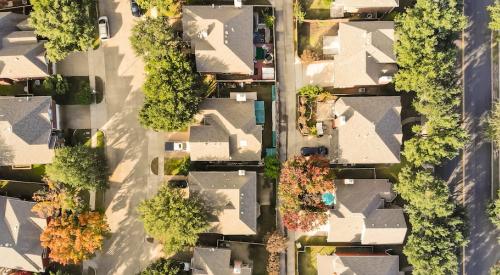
x: 316, y: 9
x: 311, y: 35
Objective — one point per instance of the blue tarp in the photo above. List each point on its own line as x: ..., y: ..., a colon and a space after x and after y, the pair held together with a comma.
x: 274, y: 138
x: 273, y: 88
x: 328, y: 198
x: 270, y: 152
x: 260, y: 112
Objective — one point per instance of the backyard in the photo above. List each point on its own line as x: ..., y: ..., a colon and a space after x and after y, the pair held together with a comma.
x: 254, y: 254
x: 316, y: 9
x: 35, y: 174
x: 311, y: 35
x: 307, y: 258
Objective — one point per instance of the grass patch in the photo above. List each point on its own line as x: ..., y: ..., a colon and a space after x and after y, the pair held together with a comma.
x: 311, y: 35
x: 176, y: 166
x: 12, y: 90
x: 307, y: 260
x: 35, y: 174
x: 317, y: 9
x: 19, y: 189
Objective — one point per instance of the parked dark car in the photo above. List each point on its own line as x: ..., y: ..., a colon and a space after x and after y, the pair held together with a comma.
x: 309, y: 151
x: 136, y: 10
x: 178, y: 183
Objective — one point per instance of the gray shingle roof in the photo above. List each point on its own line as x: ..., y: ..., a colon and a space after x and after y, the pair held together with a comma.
x: 227, y: 43
x: 228, y: 132
x: 214, y: 261
x: 20, y: 231
x: 25, y: 129
x: 359, y: 215
x: 358, y: 265
x: 221, y: 189
x: 21, y: 54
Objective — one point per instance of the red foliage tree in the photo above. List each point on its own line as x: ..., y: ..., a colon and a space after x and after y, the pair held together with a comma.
x: 302, y: 182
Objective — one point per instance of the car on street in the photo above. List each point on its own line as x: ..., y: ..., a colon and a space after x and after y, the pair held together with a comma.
x: 178, y: 183
x: 136, y: 10
x: 176, y: 146
x: 309, y: 151
x: 103, y: 28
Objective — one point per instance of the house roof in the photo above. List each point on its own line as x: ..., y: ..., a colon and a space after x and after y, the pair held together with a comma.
x: 372, y: 132
x: 228, y: 132
x: 353, y: 5
x: 20, y: 231
x: 233, y: 198
x: 358, y: 265
x: 359, y: 214
x: 21, y: 54
x: 214, y: 261
x: 25, y: 130
x: 222, y: 38
x: 366, y: 53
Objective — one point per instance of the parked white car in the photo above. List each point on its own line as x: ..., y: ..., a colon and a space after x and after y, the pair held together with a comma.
x: 176, y: 146
x: 103, y: 28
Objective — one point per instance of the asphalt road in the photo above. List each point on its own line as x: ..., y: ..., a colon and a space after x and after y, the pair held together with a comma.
x: 129, y: 147
x: 470, y: 174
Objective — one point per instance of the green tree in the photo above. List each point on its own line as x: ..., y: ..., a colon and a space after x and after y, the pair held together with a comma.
x: 298, y: 12
x: 80, y: 167
x: 162, y: 266
x: 494, y: 16
x: 65, y: 23
x: 495, y: 270
x: 170, y: 8
x: 56, y: 84
x: 271, y: 167
x: 171, y: 86
x: 424, y: 192
x: 494, y: 211
x: 172, y: 219
x: 311, y: 91
x: 493, y: 124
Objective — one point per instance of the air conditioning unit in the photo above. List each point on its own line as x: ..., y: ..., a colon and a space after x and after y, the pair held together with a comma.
x: 348, y: 181
x: 241, y: 97
x: 241, y: 172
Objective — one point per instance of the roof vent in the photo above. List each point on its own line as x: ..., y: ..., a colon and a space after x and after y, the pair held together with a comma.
x: 203, y: 34
x: 349, y: 181
x: 238, y: 3
x: 241, y: 97
x: 241, y: 172
x: 243, y: 143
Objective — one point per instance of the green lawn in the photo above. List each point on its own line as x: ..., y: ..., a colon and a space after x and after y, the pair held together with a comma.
x: 176, y: 166
x: 307, y: 259
x: 12, y: 90
x: 317, y: 9
x: 35, y: 174
x: 18, y: 189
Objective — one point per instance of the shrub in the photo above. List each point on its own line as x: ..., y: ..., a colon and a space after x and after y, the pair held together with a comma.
x: 271, y: 167
x: 311, y: 91
x: 162, y: 266
x: 308, y: 56
x: 276, y: 243
x: 56, y: 84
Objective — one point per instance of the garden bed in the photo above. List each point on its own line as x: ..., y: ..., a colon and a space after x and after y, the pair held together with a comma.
x: 79, y: 91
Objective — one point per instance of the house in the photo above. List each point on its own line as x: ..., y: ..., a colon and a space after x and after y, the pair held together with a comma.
x: 363, y: 53
x: 20, y: 231
x: 339, y: 7
x: 217, y: 261
x: 230, y: 40
x: 22, y: 56
x: 366, y: 130
x: 232, y: 197
x: 359, y: 215
x: 27, y: 130
x: 221, y: 37
x: 228, y: 131
x: 371, y: 264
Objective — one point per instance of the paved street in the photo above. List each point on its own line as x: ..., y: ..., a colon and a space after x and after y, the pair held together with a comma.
x: 483, y: 250
x: 130, y: 148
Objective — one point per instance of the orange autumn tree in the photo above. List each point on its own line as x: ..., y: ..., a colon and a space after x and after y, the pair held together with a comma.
x: 73, y: 237
x: 302, y: 183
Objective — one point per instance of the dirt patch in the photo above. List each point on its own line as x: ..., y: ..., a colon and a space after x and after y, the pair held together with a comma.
x: 311, y: 35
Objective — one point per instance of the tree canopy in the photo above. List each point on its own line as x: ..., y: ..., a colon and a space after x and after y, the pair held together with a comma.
x: 80, y: 167
x: 169, y: 8
x: 493, y: 124
x: 73, y: 237
x: 494, y: 16
x: 65, y: 23
x: 55, y: 199
x: 172, y: 219
x: 162, y: 266
x: 171, y: 88
x: 272, y: 167
x: 302, y: 183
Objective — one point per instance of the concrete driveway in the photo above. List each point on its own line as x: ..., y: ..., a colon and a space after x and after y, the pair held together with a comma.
x: 129, y: 148
x: 75, y: 64
x: 75, y: 116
